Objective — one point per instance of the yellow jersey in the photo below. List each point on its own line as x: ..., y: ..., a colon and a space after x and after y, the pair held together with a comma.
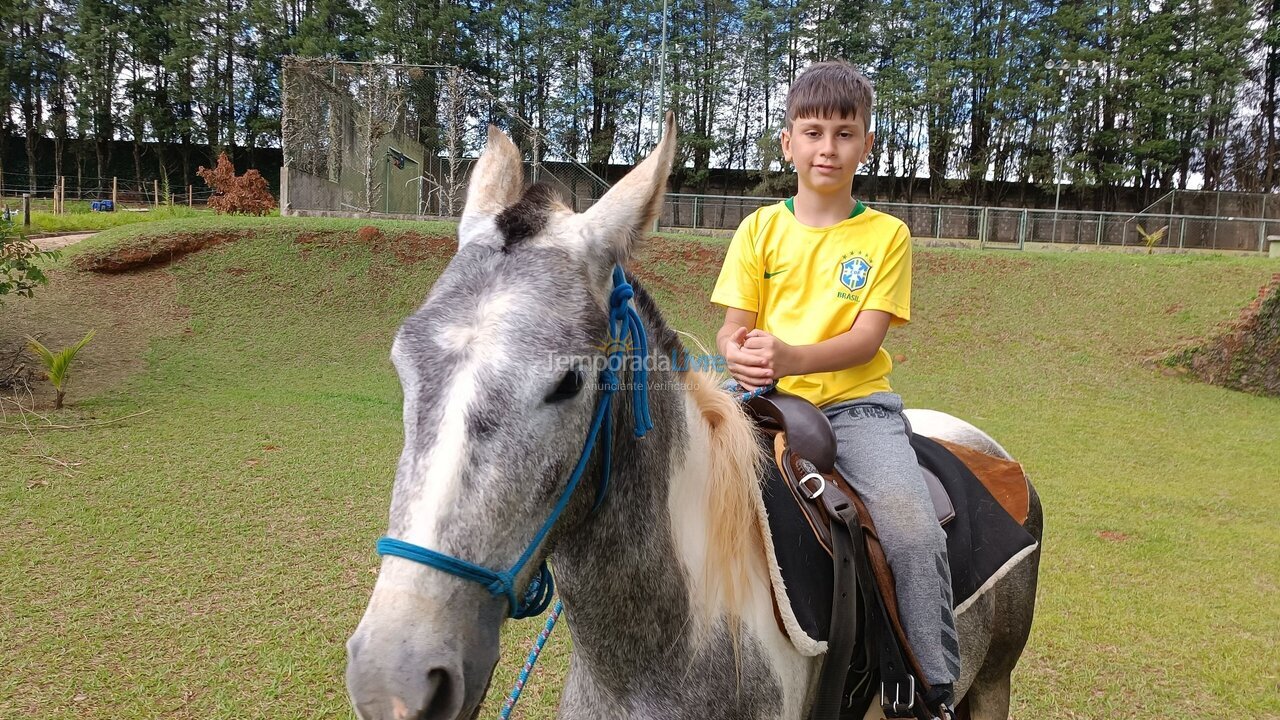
x: 808, y: 284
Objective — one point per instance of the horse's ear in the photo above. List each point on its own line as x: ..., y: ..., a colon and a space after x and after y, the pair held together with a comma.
x: 619, y: 218
x: 496, y: 182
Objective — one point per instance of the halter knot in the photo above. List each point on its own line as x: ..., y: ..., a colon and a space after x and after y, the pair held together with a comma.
x: 618, y: 300
x: 608, y: 380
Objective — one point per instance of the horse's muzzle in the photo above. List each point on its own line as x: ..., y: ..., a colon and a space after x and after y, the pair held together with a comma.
x: 399, y: 690
x: 414, y: 659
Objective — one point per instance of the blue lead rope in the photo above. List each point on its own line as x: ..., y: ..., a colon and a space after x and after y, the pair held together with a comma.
x: 531, y: 661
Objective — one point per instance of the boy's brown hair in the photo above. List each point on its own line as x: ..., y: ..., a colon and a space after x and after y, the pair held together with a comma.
x: 831, y: 89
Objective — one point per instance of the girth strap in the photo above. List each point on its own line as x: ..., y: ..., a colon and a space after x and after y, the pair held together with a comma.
x: 900, y: 695
x: 844, y: 604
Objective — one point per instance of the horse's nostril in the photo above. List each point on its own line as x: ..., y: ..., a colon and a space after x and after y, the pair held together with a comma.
x: 443, y: 697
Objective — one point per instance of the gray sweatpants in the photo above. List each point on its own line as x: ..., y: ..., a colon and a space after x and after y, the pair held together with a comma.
x: 874, y: 454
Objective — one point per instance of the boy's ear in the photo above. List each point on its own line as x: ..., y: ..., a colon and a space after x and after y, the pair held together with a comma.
x: 786, y: 144
x: 868, y: 146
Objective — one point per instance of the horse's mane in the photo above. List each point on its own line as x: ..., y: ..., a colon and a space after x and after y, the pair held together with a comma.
x: 734, y: 535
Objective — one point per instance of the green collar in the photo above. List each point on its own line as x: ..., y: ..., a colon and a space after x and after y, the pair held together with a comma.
x: 858, y: 207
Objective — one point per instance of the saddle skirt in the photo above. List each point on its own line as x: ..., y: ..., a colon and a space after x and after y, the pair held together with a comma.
x: 985, y: 503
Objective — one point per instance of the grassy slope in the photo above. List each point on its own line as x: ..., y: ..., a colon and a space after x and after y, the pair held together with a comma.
x: 208, y: 559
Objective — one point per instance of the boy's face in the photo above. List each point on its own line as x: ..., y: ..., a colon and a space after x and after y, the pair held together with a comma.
x: 827, y: 151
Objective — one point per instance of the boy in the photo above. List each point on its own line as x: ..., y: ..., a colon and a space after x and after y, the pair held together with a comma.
x: 810, y: 287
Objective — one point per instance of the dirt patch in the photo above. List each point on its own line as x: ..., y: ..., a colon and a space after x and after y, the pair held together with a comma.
x: 412, y: 248
x: 1113, y: 536
x: 151, y: 251
x: 408, y: 248
x: 1246, y: 356
x: 127, y: 311
x: 698, y: 257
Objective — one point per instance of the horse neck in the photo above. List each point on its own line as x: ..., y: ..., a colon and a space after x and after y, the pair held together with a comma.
x: 644, y: 580
x: 617, y: 572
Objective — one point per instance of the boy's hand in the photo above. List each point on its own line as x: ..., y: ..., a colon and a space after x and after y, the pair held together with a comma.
x: 749, y: 367
x: 777, y: 356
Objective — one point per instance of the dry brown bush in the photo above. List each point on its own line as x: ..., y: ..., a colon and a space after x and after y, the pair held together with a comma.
x: 246, y: 194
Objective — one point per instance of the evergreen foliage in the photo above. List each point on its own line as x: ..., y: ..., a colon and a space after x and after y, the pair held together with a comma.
x: 1185, y: 89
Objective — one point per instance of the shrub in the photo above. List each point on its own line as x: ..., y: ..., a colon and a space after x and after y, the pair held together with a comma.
x: 20, y: 271
x: 244, y: 194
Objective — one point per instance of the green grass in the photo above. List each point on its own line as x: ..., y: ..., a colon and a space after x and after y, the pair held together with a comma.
x: 80, y: 219
x: 209, y: 558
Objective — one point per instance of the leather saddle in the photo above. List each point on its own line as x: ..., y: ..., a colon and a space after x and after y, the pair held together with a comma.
x: 865, y: 638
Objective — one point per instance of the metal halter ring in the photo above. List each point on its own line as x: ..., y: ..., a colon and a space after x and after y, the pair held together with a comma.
x: 812, y: 495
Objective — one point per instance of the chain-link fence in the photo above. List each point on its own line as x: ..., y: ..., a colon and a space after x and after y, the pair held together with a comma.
x: 1012, y: 227
x: 378, y: 138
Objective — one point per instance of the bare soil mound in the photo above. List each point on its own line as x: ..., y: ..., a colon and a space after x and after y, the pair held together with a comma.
x: 151, y: 251
x: 128, y: 311
x: 1247, y: 356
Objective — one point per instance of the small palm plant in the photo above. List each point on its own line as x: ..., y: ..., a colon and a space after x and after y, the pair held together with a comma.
x: 58, y: 365
x: 1152, y: 239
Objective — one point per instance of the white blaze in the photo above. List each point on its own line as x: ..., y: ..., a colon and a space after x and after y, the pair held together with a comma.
x: 437, y: 470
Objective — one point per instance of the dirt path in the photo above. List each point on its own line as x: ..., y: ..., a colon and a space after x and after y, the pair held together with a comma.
x: 60, y: 241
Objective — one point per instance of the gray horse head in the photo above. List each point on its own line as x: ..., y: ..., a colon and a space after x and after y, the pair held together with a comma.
x: 497, y: 404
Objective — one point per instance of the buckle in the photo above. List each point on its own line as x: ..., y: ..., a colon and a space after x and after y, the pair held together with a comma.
x: 804, y: 489
x: 897, y: 706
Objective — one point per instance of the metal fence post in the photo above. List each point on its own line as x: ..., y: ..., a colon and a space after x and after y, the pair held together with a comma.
x: 695, y: 212
x: 1098, y: 241
x: 1022, y: 230
x: 982, y: 227
x: 937, y: 226
x: 1182, y: 234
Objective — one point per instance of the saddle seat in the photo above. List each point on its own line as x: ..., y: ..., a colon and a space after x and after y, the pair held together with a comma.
x: 985, y: 508
x: 809, y: 435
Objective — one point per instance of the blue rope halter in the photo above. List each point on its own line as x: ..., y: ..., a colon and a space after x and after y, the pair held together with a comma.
x: 626, y: 337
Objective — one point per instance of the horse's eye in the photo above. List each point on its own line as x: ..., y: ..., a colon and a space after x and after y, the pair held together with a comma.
x: 570, y: 385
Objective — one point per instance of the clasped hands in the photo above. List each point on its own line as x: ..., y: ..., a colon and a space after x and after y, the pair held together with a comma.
x: 757, y: 359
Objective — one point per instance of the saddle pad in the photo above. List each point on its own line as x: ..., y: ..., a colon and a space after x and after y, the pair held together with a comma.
x: 983, y: 543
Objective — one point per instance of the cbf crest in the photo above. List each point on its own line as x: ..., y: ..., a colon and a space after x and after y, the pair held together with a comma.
x: 854, y: 272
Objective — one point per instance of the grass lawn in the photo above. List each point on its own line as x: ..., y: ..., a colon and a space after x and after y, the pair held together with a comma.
x: 209, y: 557
x: 80, y: 217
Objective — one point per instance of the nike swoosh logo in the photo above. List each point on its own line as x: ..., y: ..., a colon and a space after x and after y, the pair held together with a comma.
x: 768, y: 274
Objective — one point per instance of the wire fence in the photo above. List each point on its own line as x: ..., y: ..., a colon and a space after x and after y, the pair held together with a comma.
x: 1009, y: 227
x: 80, y: 192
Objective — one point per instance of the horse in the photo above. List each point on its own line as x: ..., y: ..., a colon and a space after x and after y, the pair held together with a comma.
x: 658, y: 558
